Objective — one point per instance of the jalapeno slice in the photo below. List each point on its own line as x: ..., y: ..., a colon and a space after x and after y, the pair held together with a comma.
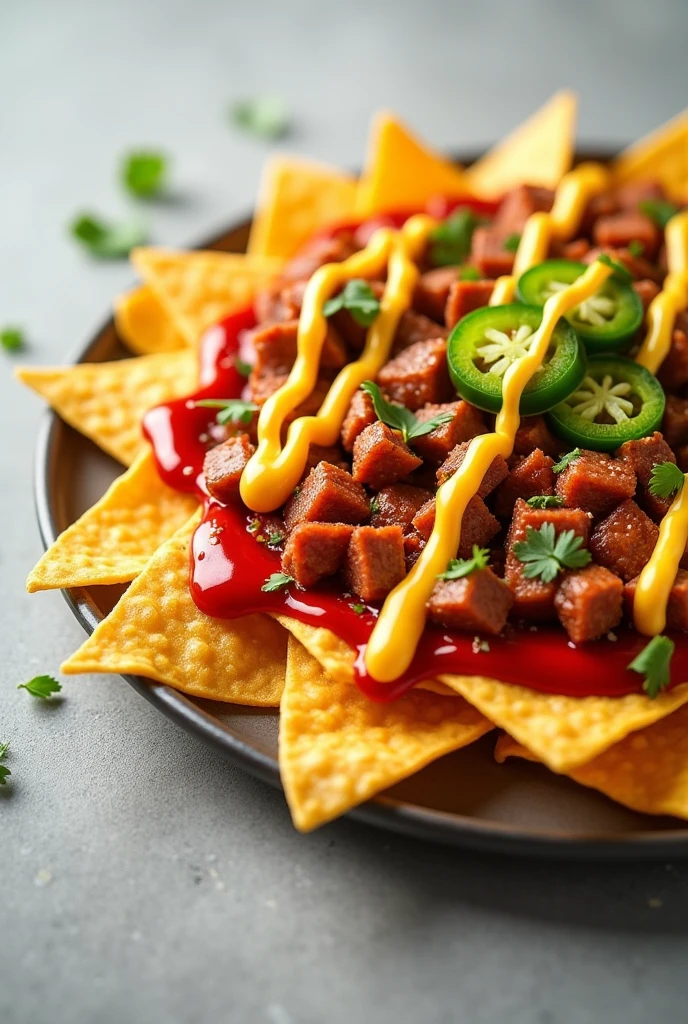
x: 606, y: 322
x: 618, y: 401
x: 486, y: 342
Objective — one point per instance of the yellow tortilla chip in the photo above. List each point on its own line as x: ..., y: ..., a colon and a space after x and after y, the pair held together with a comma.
x: 143, y: 324
x: 297, y: 198
x: 156, y: 630
x: 338, y: 749
x: 661, y: 156
x: 538, y: 152
x: 198, y: 289
x: 507, y: 746
x: 564, y: 732
x: 402, y: 173
x: 106, y: 401
x: 114, y: 540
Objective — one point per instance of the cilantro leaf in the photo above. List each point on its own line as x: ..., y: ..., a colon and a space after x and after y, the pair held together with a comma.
x: 275, y: 539
x: 635, y: 247
x: 4, y: 770
x: 41, y: 686
x: 545, y: 501
x: 357, y: 607
x: 666, y: 479
x: 620, y: 272
x: 653, y: 662
x: 104, y: 240
x: 398, y: 417
x: 469, y: 273
x: 144, y: 172
x: 266, y: 117
x: 242, y: 368
x: 4, y: 747
x: 659, y: 210
x: 460, y: 567
x: 545, y: 554
x: 451, y: 240
x: 560, y: 466
x: 232, y: 410
x: 360, y: 300
x: 276, y: 581
x: 512, y: 243
x: 12, y: 338
x: 375, y: 506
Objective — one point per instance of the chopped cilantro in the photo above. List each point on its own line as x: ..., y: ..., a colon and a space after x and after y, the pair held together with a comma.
x: 359, y: 299
x: 512, y: 243
x: 41, y: 686
x: 266, y: 117
x: 358, y: 608
x: 451, y: 240
x: 566, y: 460
x: 275, y: 539
x: 276, y: 581
x: 545, y: 501
x: 375, y: 506
x: 144, y: 172
x: 398, y: 417
x: 4, y: 770
x: 653, y: 662
x: 620, y: 272
x: 469, y: 273
x: 253, y: 526
x: 460, y: 567
x: 666, y: 479
x: 659, y: 210
x: 242, y: 368
x: 545, y: 554
x: 232, y: 410
x: 636, y: 248
x: 104, y: 240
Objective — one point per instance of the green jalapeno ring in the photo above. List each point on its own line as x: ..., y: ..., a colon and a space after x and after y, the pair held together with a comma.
x: 605, y: 322
x: 560, y: 375
x: 632, y: 410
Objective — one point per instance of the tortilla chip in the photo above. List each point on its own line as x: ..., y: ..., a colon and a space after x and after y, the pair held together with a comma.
x: 297, y: 198
x: 507, y: 746
x: 661, y: 156
x: 338, y: 749
x: 114, y: 540
x: 539, y: 152
x: 198, y: 289
x: 156, y: 630
x: 106, y: 401
x: 564, y: 732
x: 143, y: 325
x: 402, y: 173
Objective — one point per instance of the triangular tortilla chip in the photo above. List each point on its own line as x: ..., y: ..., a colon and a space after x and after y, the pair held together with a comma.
x: 156, y: 630
x: 143, y: 325
x: 564, y: 732
x: 337, y: 748
x: 539, y: 152
x: 198, y: 289
x: 114, y: 540
x: 402, y: 173
x: 661, y: 156
x: 106, y: 401
x: 298, y: 197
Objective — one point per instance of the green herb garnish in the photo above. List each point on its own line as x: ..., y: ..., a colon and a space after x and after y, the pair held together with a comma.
x: 545, y: 554
x: 635, y: 247
x: 144, y: 172
x: 359, y: 299
x: 512, y: 243
x: 253, y: 526
x: 653, y: 662
x: 12, y: 339
x: 232, y: 410
x: 4, y: 770
x: 545, y: 501
x: 460, y: 567
x: 242, y: 368
x: 666, y: 479
x: 41, y: 686
x: 451, y: 240
x: 620, y: 272
x: 560, y: 466
x: 266, y: 117
x: 469, y: 273
x: 659, y: 210
x: 358, y: 608
x: 275, y: 539
x: 104, y: 240
x: 375, y: 506
x: 277, y: 581
x: 398, y: 417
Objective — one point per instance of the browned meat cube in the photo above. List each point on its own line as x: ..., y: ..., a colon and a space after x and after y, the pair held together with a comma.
x: 624, y: 541
x: 418, y: 375
x: 641, y: 456
x: 315, y: 550
x: 424, y: 519
x: 575, y: 250
x: 497, y: 471
x: 464, y: 297
x: 637, y: 266
x: 603, y: 205
x: 275, y: 346
x: 647, y: 290
x: 413, y: 545
x: 375, y: 561
x: 467, y: 422
x: 224, y: 464
x: 321, y: 453
x: 488, y: 252
x: 673, y: 373
x: 589, y: 602
x: 381, y: 457
x: 530, y: 476
x: 677, y: 605
x: 629, y: 196
x: 397, y: 504
x: 360, y: 415
x: 415, y: 327
x: 478, y: 603
x: 432, y: 290
x: 263, y: 385
x: 675, y: 423
x: 518, y: 205
x: 317, y: 253
x: 596, y: 482
x: 277, y: 304
x: 620, y: 229
x: 534, y: 433
x: 478, y: 525
x: 328, y: 495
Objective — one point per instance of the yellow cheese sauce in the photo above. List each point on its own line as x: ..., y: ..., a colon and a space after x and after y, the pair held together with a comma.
x: 672, y: 298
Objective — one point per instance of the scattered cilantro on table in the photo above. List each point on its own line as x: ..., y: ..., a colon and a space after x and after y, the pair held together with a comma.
x: 4, y: 770
x: 398, y: 417
x: 144, y: 173
x: 12, y: 339
x: 41, y: 686
x: 232, y: 410
x: 266, y: 117
x: 359, y: 299
x: 654, y: 662
x: 460, y: 567
x: 545, y: 554
x: 105, y: 240
x: 666, y: 480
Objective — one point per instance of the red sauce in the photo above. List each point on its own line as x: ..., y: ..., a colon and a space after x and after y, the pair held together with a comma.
x: 231, y: 560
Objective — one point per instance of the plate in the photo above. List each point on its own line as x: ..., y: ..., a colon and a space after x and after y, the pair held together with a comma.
x: 465, y: 799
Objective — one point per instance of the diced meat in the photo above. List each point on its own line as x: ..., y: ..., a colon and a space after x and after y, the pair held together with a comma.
x: 432, y: 291
x: 464, y: 297
x: 263, y: 385
x: 397, y: 504
x: 375, y: 561
x: 477, y: 603
x: 624, y: 541
x: 224, y: 464
x: 361, y: 414
x: 629, y: 196
x: 589, y: 602
x: 488, y: 252
x: 353, y: 333
x: 322, y: 453
x: 276, y: 304
x: 682, y: 458
x: 575, y: 250
x: 315, y: 550
x: 647, y: 290
x: 478, y: 525
x: 673, y: 373
x: 413, y: 545
x: 424, y: 519
x: 530, y: 476
x: 641, y: 456
x: 675, y: 423
x: 533, y: 433
x: 637, y: 266
x: 328, y: 495
x: 497, y: 470
x: 466, y: 422
x: 518, y: 205
x: 381, y: 457
x: 677, y: 605
x: 603, y: 205
x: 620, y: 229
x: 275, y: 347
x: 596, y: 482
x: 415, y: 327
x: 317, y: 253
x: 418, y: 375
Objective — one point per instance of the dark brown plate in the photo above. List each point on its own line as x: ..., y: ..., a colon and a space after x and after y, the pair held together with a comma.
x: 464, y: 799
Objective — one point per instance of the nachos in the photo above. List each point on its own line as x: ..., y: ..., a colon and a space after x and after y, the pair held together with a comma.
x: 412, y: 467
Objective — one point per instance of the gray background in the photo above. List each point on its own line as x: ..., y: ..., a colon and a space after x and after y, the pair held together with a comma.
x: 141, y: 877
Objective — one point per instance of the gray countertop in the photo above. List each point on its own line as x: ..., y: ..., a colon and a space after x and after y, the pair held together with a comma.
x: 143, y: 878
